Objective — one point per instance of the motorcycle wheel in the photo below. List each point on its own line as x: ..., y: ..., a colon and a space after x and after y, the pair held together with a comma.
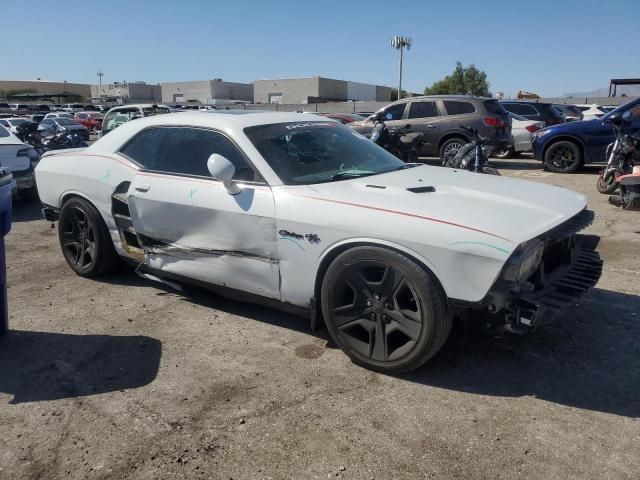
x: 503, y: 153
x: 606, y: 185
x: 490, y: 171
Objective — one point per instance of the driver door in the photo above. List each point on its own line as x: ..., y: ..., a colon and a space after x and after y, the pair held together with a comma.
x: 187, y: 222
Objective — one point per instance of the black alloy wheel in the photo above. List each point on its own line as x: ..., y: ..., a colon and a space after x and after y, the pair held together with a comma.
x: 84, y: 239
x: 383, y: 309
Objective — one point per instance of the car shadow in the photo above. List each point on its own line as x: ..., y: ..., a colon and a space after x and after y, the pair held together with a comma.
x: 589, y: 359
x: 50, y: 366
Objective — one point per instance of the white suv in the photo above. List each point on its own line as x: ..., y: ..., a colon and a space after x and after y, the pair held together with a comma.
x: 119, y: 115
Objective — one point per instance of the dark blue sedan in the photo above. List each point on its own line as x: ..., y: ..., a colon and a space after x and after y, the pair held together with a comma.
x: 567, y: 146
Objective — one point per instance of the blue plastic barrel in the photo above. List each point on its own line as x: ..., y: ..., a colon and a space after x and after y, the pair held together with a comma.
x: 7, y: 184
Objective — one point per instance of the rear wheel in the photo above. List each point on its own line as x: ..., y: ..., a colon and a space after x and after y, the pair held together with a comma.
x: 563, y: 157
x: 384, y: 310
x: 503, y: 153
x: 450, y: 147
x: 84, y: 239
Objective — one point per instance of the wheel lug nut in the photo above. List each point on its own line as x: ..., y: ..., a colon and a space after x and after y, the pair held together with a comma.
x: 368, y: 303
x: 377, y: 297
x: 373, y: 316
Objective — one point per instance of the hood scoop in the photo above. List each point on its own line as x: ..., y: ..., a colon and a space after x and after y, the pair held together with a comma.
x: 428, y: 189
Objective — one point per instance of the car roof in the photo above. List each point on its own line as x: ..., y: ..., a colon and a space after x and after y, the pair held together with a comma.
x: 223, y: 120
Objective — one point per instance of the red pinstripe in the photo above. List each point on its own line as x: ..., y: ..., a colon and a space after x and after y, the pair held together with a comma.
x: 406, y: 214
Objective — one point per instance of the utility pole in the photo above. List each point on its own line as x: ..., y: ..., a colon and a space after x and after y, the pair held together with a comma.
x: 399, y: 43
x: 100, y: 74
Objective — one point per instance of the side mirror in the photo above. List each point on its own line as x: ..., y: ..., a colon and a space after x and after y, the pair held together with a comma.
x: 222, y: 169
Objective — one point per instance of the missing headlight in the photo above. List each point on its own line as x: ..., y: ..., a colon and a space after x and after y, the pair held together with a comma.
x: 524, y: 262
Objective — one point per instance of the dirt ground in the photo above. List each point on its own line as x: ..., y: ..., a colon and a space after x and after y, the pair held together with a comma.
x: 122, y: 378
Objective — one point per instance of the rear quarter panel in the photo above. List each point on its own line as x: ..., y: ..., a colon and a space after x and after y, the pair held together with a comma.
x: 89, y: 175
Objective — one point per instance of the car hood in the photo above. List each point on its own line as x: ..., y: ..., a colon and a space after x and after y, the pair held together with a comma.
x: 570, y: 127
x: 511, y: 209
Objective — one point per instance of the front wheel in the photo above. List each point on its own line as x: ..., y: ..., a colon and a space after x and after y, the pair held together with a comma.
x: 607, y: 183
x: 563, y: 157
x: 384, y: 310
x: 84, y: 239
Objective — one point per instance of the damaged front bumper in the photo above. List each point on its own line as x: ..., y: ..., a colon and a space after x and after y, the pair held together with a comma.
x: 570, y: 266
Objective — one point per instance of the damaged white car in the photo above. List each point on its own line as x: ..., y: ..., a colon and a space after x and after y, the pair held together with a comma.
x: 311, y: 214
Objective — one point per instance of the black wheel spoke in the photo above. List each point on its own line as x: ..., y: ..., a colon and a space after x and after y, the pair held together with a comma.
x: 357, y: 282
x: 379, y: 346
x: 391, y: 282
x: 408, y: 325
x: 343, y: 316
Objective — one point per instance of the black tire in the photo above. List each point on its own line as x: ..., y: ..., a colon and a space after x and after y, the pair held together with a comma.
x: 607, y: 185
x: 503, y: 153
x: 490, y: 171
x: 84, y: 239
x: 563, y: 157
x: 450, y: 147
x: 384, y: 310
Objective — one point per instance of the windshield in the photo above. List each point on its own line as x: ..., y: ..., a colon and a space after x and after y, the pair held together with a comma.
x: 318, y: 152
x: 155, y: 111
x: 622, y: 108
x: 18, y: 121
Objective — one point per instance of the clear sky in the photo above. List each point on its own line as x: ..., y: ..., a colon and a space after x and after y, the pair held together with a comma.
x: 549, y: 47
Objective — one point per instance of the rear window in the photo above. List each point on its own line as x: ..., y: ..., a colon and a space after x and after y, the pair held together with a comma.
x: 550, y: 110
x: 495, y: 108
x: 454, y: 107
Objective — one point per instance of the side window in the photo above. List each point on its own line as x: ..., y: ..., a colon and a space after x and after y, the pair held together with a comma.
x: 185, y: 151
x: 4, y: 123
x: 396, y: 111
x: 423, y: 110
x: 458, y: 108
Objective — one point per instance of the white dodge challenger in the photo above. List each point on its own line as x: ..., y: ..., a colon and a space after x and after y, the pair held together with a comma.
x: 310, y: 214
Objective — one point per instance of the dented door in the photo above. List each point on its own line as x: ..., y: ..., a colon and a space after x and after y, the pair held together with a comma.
x: 193, y: 227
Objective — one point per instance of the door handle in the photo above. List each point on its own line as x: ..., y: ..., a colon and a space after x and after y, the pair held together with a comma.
x: 431, y: 125
x: 142, y: 187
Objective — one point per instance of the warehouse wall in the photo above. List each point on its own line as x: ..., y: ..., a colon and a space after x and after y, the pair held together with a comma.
x: 81, y: 89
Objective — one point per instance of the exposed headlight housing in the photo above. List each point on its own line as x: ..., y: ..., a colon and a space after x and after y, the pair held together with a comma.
x: 524, y: 261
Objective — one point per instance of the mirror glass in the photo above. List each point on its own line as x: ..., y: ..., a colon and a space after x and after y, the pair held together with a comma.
x: 388, y: 116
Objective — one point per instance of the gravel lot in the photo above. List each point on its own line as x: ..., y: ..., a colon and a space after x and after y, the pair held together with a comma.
x: 122, y: 378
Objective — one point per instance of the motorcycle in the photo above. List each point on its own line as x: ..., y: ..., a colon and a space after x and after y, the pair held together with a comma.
x: 474, y: 156
x: 399, y: 141
x: 619, y: 154
x: 39, y: 139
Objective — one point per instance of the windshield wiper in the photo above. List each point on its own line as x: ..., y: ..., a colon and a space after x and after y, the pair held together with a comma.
x: 350, y: 174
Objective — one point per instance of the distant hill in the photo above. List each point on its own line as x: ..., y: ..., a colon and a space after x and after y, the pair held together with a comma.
x: 629, y: 90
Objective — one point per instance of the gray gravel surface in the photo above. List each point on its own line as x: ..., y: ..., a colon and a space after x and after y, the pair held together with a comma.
x: 122, y: 378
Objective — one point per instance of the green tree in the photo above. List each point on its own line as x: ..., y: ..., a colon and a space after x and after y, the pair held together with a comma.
x: 463, y: 81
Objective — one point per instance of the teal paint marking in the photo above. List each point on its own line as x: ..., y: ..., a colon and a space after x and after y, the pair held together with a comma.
x: 294, y: 242
x: 106, y: 177
x: 484, y: 245
x: 190, y: 194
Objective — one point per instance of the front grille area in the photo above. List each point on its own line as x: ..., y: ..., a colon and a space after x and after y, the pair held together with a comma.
x: 568, y: 283
x: 572, y: 226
